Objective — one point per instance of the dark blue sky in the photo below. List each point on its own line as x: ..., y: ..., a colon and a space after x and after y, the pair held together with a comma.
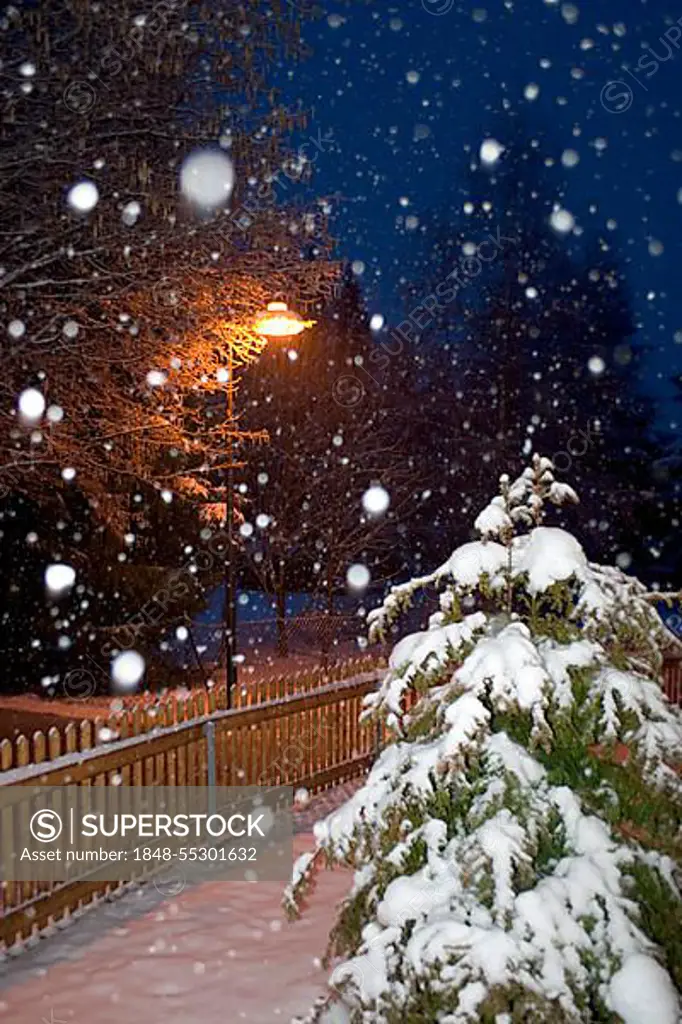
x: 414, y: 137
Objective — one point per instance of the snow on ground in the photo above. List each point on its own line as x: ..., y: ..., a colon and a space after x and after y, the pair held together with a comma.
x: 218, y: 953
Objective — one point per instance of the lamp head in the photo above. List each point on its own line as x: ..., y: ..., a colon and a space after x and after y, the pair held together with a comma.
x: 279, y: 321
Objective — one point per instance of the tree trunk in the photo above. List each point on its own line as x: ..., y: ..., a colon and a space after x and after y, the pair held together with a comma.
x: 326, y: 638
x: 281, y: 613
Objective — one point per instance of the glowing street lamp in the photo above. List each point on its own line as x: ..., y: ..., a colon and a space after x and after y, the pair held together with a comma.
x: 279, y: 321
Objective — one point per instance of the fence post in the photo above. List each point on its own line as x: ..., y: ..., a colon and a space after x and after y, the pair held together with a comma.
x: 209, y: 733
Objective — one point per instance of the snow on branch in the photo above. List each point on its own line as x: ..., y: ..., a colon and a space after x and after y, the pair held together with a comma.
x: 523, y: 502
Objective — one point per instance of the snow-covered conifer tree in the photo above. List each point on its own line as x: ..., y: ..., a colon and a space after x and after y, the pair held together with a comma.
x: 516, y: 846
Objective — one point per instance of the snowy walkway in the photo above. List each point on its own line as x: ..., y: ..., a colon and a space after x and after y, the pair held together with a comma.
x: 217, y: 953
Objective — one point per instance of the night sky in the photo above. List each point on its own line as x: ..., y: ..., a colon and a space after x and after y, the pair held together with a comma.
x: 410, y: 94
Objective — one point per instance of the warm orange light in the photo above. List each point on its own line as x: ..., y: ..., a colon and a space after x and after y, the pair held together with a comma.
x: 280, y: 322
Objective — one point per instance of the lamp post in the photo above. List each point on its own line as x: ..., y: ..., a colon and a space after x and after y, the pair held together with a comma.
x: 278, y: 321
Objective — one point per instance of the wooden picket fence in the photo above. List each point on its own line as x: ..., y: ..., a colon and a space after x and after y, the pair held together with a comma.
x: 312, y: 740
x: 149, y: 711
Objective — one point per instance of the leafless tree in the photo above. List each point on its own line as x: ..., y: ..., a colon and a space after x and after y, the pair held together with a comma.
x: 93, y: 303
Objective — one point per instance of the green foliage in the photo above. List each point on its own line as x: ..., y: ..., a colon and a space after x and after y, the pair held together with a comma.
x: 454, y: 612
x: 347, y: 931
x: 452, y: 802
x: 589, y: 1001
x: 423, y: 722
x: 433, y: 669
x: 660, y: 915
x: 517, y: 724
x: 432, y: 1001
x: 650, y: 816
x: 549, y: 613
x: 551, y: 843
x: 631, y: 639
x: 573, y: 729
x: 414, y: 858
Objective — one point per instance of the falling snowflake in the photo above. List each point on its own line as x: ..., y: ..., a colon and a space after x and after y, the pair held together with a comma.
x: 562, y: 221
x: 83, y: 197
x: 596, y: 365
x: 131, y: 212
x: 491, y: 151
x: 31, y: 404
x: 127, y: 670
x: 55, y: 413
x: 207, y: 178
x: 59, y: 578
x: 376, y: 500
x: 16, y: 329
x: 358, y: 577
x: 156, y: 378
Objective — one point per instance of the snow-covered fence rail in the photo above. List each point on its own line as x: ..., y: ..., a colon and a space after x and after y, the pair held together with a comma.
x: 310, y: 740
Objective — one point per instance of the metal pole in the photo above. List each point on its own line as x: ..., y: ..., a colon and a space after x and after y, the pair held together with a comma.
x: 195, y: 652
x: 230, y: 617
x: 209, y: 733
